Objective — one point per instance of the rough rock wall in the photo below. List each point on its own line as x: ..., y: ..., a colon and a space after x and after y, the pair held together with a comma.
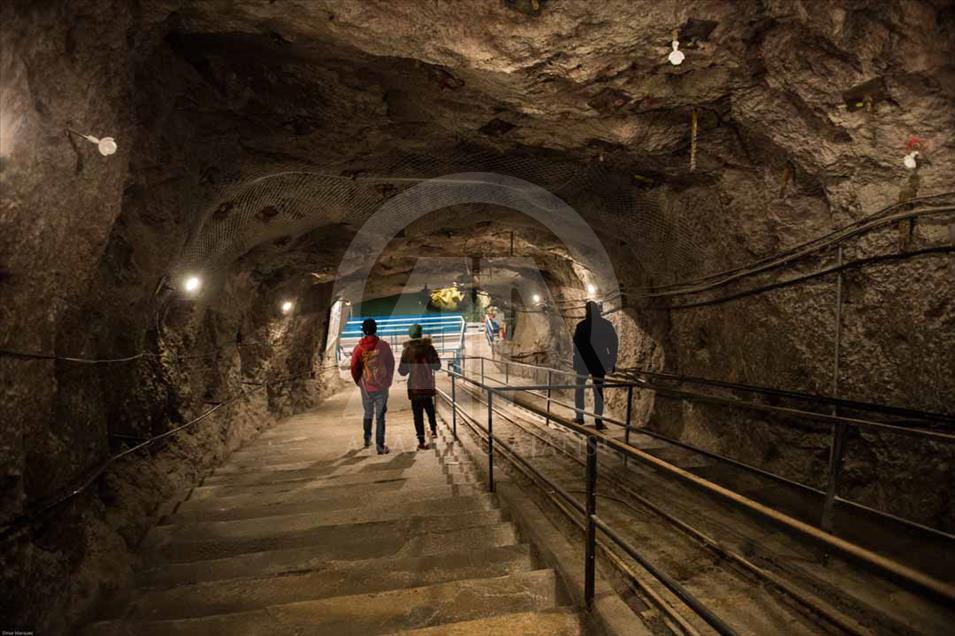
x: 86, y: 243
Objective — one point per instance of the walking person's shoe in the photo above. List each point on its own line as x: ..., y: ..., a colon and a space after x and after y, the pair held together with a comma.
x: 423, y: 445
x: 579, y: 420
x: 434, y: 433
x: 600, y: 426
x: 384, y: 450
x: 367, y: 442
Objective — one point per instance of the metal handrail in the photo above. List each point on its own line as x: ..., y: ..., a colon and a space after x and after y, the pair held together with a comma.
x: 622, y: 376
x: 626, y: 425
x: 588, y: 509
x: 908, y: 577
x: 25, y: 519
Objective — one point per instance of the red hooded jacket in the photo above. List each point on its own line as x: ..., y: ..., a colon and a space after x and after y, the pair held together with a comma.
x: 372, y: 364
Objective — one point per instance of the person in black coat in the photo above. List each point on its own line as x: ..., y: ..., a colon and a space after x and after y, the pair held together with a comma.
x: 595, y: 354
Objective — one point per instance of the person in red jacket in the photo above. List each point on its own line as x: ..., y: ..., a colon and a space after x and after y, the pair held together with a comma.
x: 419, y: 361
x: 372, y: 369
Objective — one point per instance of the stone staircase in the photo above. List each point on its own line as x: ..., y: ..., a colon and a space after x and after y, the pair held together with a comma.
x: 298, y: 534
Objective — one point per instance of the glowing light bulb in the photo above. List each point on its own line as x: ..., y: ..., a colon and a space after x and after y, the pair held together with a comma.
x: 192, y: 284
x: 287, y: 306
x: 910, y: 160
x: 676, y: 56
x: 536, y: 298
x: 591, y: 289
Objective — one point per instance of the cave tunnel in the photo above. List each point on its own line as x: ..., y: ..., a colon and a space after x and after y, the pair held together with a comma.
x: 540, y: 316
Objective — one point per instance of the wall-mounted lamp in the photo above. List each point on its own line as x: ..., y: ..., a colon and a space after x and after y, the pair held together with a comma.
x: 287, y: 306
x: 536, y: 298
x: 676, y: 56
x: 106, y: 146
x: 591, y: 289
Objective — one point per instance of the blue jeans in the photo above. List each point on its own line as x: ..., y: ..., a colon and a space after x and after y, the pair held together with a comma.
x: 375, y: 402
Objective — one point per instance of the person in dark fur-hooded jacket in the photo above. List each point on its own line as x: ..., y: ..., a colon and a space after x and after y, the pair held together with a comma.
x: 419, y: 361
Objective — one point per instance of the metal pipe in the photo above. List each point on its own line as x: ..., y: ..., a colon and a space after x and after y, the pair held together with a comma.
x: 490, y: 441
x: 903, y: 573
x: 590, y: 558
x: 712, y: 619
x: 626, y: 434
x: 549, y: 382
x: 837, y: 446
x: 742, y: 465
x: 454, y: 409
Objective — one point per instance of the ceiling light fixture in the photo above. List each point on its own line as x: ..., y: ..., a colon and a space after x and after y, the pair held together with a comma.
x: 591, y: 289
x: 536, y: 298
x: 287, y: 306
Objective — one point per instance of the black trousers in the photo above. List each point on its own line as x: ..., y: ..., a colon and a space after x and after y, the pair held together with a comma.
x: 598, y: 382
x: 420, y: 406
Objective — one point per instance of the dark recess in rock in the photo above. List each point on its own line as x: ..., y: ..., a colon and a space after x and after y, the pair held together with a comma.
x: 496, y: 127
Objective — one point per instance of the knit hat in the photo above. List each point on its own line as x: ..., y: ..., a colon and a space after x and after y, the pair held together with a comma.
x: 414, y: 331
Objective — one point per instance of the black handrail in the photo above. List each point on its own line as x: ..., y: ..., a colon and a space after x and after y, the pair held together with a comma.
x: 588, y: 510
x: 30, y: 516
x: 908, y: 577
x: 947, y: 437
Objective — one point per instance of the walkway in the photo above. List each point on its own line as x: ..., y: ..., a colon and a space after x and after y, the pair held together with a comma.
x: 303, y: 531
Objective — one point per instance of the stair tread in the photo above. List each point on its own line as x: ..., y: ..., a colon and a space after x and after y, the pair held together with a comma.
x: 555, y: 622
x: 360, y: 479
x: 290, y: 503
x: 332, y: 578
x: 303, y: 558
x: 232, y: 538
x: 369, y: 613
x: 315, y: 515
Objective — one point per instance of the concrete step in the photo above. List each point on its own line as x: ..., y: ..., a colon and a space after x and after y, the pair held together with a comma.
x: 269, y: 562
x: 557, y: 622
x: 361, y: 459
x: 272, y: 475
x: 219, y: 509
x: 317, y: 517
x: 366, y: 614
x: 394, y: 487
x: 402, y: 443
x: 423, y: 478
x: 231, y: 538
x: 335, y: 578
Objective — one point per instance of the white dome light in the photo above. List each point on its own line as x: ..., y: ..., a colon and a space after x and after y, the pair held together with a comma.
x: 676, y: 56
x: 106, y: 146
x: 591, y: 289
x: 192, y: 284
x: 910, y: 160
x: 287, y: 306
x: 536, y: 298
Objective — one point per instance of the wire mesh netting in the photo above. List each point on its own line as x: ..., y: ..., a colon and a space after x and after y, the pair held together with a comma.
x: 251, y: 206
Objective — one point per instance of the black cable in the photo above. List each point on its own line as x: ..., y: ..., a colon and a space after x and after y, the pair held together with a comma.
x: 23, y: 520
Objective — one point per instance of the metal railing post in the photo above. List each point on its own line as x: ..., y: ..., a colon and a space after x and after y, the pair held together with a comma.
x: 837, y: 447
x: 550, y: 381
x: 626, y: 434
x: 590, y: 559
x: 454, y: 409
x: 482, y: 370
x: 507, y: 374
x: 490, y: 442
